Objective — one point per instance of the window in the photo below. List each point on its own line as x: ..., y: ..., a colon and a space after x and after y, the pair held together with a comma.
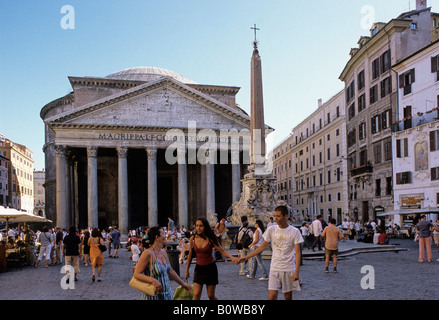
x: 337, y: 150
x: 329, y: 176
x: 434, y: 174
x: 406, y: 80
x: 352, y: 137
x: 351, y: 111
x: 414, y: 26
x: 388, y: 150
x: 363, y: 158
x: 361, y: 102
x: 402, y: 148
x: 403, y: 177
x: 434, y: 140
x: 373, y: 94
x: 377, y: 153
x: 385, y: 119
x: 362, y: 131
x: 385, y: 61
x: 376, y: 121
x: 386, y: 87
x: 389, y: 186
x: 361, y: 82
x: 407, y: 117
x: 435, y: 66
x: 350, y: 91
x: 378, y: 187
x: 329, y: 153
x: 375, y: 68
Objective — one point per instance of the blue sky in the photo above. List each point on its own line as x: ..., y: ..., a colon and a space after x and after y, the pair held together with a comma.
x: 304, y: 47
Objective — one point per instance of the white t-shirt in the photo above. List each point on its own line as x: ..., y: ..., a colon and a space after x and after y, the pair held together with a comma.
x: 283, y: 241
x: 135, y: 251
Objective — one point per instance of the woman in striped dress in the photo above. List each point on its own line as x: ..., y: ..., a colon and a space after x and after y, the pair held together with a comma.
x: 154, y: 267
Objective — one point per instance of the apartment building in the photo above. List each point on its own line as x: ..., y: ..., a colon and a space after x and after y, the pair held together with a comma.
x: 318, y: 161
x: 20, y: 175
x: 4, y: 163
x: 372, y: 103
x: 39, y: 194
x: 415, y: 137
x: 283, y: 169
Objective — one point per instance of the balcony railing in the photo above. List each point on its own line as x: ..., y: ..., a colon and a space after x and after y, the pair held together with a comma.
x: 415, y: 121
x: 361, y: 170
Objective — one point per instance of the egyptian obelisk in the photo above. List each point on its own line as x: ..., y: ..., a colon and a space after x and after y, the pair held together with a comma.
x: 258, y: 196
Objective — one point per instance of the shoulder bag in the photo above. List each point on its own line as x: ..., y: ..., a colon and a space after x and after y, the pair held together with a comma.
x: 142, y: 286
x: 102, y: 247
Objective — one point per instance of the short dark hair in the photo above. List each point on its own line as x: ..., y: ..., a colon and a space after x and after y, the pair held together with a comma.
x: 72, y: 230
x: 282, y: 209
x: 333, y: 221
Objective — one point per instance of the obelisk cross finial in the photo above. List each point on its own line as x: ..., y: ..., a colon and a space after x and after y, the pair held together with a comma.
x: 255, y: 43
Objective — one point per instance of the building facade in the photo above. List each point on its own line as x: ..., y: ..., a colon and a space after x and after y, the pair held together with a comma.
x: 372, y: 101
x: 19, y: 161
x: 39, y: 194
x: 4, y: 177
x: 283, y: 169
x: 142, y: 145
x: 316, y: 150
x: 415, y: 138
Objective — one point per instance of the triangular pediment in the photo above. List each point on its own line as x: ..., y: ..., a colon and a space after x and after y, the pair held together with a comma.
x: 161, y: 103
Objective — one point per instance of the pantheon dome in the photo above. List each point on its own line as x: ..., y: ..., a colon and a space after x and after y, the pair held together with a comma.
x: 148, y: 74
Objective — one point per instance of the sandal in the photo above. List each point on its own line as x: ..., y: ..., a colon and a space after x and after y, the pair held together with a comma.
x: 93, y: 278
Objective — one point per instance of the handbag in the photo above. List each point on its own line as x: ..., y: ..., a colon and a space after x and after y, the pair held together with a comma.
x: 181, y: 294
x: 103, y: 248
x: 142, y: 286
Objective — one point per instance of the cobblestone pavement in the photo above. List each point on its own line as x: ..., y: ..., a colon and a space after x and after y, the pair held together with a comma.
x: 398, y: 276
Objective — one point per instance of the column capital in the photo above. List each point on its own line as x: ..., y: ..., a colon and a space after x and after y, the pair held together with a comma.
x: 92, y: 152
x: 151, y: 153
x: 60, y: 150
x: 122, y: 152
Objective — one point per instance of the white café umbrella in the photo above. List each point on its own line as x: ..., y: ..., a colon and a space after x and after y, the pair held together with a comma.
x: 14, y: 215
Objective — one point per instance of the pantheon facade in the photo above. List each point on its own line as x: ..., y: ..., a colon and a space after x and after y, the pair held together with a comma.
x: 111, y: 155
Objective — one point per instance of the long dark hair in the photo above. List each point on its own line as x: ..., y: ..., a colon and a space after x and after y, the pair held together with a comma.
x: 208, y: 232
x: 261, y: 225
x: 152, y: 233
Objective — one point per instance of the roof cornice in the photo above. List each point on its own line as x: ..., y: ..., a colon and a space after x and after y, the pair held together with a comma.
x: 395, y: 25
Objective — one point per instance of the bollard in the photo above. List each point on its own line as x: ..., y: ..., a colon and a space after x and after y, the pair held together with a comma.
x: 173, y: 253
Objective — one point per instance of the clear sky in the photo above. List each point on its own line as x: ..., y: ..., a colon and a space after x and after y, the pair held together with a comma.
x: 304, y: 46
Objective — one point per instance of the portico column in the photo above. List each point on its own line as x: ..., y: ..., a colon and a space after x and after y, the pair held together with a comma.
x: 92, y: 184
x: 123, y: 191
x: 152, y: 187
x: 61, y: 187
x: 182, y: 191
x: 236, y: 182
x: 210, y: 189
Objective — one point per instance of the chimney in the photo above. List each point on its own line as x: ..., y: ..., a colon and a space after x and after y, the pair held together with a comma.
x: 320, y: 102
x: 421, y: 4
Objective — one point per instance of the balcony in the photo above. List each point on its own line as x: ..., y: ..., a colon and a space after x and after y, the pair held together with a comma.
x: 361, y: 170
x: 415, y: 121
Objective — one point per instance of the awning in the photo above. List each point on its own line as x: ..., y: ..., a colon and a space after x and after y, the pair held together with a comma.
x: 409, y: 211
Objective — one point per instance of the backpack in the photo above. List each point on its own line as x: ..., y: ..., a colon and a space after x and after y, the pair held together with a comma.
x: 246, y: 240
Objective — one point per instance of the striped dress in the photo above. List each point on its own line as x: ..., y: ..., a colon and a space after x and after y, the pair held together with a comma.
x: 160, y: 273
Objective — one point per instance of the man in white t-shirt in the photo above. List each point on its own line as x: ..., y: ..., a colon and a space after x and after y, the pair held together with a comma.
x: 285, y: 260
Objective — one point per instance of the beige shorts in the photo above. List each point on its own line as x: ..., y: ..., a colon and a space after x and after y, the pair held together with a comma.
x: 282, y: 280
x: 73, y: 261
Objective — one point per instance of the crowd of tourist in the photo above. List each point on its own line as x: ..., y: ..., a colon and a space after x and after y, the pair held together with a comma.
x: 207, y: 243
